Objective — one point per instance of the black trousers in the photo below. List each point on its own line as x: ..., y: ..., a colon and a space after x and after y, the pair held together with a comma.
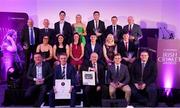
x: 41, y: 89
x: 92, y: 97
x: 140, y: 96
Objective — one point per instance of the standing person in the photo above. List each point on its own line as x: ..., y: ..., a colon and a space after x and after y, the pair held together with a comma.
x: 96, y: 26
x: 63, y: 27
x: 115, y: 29
x: 144, y: 74
x: 29, y: 41
x: 80, y: 28
x: 134, y: 30
x: 39, y: 75
x: 46, y: 31
x: 64, y: 71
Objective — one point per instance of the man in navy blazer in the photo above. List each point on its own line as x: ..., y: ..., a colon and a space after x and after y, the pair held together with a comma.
x: 39, y: 74
x: 144, y: 74
x: 118, y: 78
x: 134, y: 30
x: 91, y: 47
x: 64, y: 28
x: 97, y: 27
x: 64, y: 71
x: 115, y: 29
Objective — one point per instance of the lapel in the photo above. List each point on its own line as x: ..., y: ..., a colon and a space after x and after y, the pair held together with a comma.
x: 67, y: 72
x: 113, y: 68
x: 64, y: 26
x: 34, y: 70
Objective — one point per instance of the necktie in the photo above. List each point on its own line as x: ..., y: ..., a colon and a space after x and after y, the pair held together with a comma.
x: 46, y: 30
x: 126, y: 46
x: 32, y: 37
x: 96, y: 25
x: 94, y: 66
x: 63, y: 73
x: 142, y: 70
x: 117, y: 69
x: 130, y: 27
x: 114, y: 30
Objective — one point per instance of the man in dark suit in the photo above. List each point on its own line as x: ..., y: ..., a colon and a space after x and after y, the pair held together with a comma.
x: 64, y: 71
x: 29, y: 41
x: 144, y: 74
x: 97, y: 27
x: 64, y: 28
x: 93, y: 94
x: 39, y: 74
x: 115, y: 29
x: 127, y: 49
x: 93, y: 46
x: 46, y: 31
x: 118, y: 78
x: 134, y: 30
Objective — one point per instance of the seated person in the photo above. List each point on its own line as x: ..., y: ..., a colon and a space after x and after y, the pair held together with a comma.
x: 91, y: 47
x: 118, y: 77
x: 60, y: 47
x: 127, y: 49
x: 93, y: 94
x: 64, y: 71
x: 109, y: 49
x: 45, y: 49
x: 38, y: 74
x: 144, y: 74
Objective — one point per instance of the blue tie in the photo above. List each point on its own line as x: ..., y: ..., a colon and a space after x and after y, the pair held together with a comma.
x: 32, y: 37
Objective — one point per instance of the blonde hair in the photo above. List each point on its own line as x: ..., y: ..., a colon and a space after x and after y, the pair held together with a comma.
x: 108, y: 41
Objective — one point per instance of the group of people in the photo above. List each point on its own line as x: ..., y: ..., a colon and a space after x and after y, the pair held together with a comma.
x: 67, y: 50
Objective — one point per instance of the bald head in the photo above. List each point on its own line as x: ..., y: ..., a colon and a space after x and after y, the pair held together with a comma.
x: 94, y: 57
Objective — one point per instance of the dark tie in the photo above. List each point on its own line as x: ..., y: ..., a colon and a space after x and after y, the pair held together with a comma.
x: 32, y: 37
x: 96, y: 74
x: 63, y: 73
x: 96, y: 25
x: 130, y: 27
x: 46, y: 30
x: 142, y: 70
x: 126, y: 46
x: 117, y: 69
x: 114, y: 30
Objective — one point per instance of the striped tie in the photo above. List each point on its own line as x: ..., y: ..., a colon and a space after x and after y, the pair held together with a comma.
x: 63, y: 73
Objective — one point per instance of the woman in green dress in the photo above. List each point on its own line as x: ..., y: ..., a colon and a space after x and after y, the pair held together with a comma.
x: 80, y: 28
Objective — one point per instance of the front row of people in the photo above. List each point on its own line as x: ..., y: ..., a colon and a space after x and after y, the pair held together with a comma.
x: 141, y: 77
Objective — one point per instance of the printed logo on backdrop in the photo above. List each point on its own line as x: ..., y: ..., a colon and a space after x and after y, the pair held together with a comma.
x: 169, y: 56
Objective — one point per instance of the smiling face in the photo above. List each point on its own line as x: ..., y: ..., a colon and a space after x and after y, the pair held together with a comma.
x: 130, y: 20
x: 62, y: 16
x: 78, y: 18
x: 30, y: 23
x: 114, y: 21
x: 46, y: 23
x: 37, y: 58
x: 94, y: 57
x: 45, y: 40
x: 117, y: 59
x: 96, y: 16
x: 144, y: 56
x: 63, y: 59
x: 60, y: 39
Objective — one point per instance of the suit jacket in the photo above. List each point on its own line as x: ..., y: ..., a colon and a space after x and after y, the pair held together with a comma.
x: 131, y: 48
x: 50, y: 34
x: 149, y: 74
x: 119, y: 30
x: 67, y: 31
x: 100, y: 69
x: 90, y: 29
x: 46, y: 73
x: 70, y: 73
x: 135, y: 31
x: 88, y: 51
x: 25, y: 36
x: 121, y: 76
